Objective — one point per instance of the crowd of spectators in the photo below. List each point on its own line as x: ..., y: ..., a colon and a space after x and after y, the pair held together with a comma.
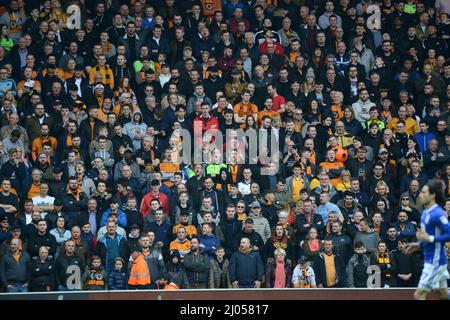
x: 96, y: 192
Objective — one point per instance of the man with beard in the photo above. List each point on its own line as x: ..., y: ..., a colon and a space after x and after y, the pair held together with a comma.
x: 197, y: 266
x: 214, y: 83
x: 75, y: 202
x: 152, y: 256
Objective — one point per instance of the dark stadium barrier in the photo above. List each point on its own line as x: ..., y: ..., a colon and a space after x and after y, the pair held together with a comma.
x: 224, y: 294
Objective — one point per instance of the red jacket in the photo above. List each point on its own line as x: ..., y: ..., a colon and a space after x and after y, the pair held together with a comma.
x: 279, y: 50
x: 206, y: 124
x: 145, y: 205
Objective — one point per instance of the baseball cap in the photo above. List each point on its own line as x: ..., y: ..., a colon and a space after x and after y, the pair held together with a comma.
x: 97, y: 86
x: 282, y: 214
x: 213, y: 69
x: 382, y: 150
x: 255, y: 204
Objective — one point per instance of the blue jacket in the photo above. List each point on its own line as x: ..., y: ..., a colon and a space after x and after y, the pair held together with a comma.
x: 16, y: 174
x: 246, y: 268
x: 409, y: 231
x: 121, y: 218
x: 8, y: 85
x: 117, y: 280
x: 210, y: 243
x: 162, y: 232
x: 202, y: 44
x: 423, y: 139
x: 102, y: 250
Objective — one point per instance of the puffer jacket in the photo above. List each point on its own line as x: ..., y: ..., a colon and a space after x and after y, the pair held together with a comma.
x: 117, y: 280
x: 357, y: 271
x: 218, y: 275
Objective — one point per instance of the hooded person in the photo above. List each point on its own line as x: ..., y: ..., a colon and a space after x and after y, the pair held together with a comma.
x: 136, y: 129
x: 223, y: 181
x: 175, y: 273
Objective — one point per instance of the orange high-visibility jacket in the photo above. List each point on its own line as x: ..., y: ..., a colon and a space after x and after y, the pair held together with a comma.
x: 139, y: 274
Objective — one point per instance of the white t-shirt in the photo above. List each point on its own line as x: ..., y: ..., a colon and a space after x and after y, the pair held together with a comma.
x: 44, y: 202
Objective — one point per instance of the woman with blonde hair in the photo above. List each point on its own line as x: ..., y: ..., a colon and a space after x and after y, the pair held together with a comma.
x: 58, y: 13
x: 310, y: 83
x: 344, y: 181
x: 411, y: 113
x: 278, y: 270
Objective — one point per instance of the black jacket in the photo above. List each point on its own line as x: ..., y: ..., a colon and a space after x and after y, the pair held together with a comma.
x: 302, y: 231
x: 321, y: 274
x: 42, y: 273
x: 74, y: 208
x: 197, y: 268
x: 342, y: 246
x: 255, y: 239
x: 353, y: 164
x: 230, y: 229
x: 194, y: 187
x: 36, y: 241
x: 85, y: 130
x: 62, y: 264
